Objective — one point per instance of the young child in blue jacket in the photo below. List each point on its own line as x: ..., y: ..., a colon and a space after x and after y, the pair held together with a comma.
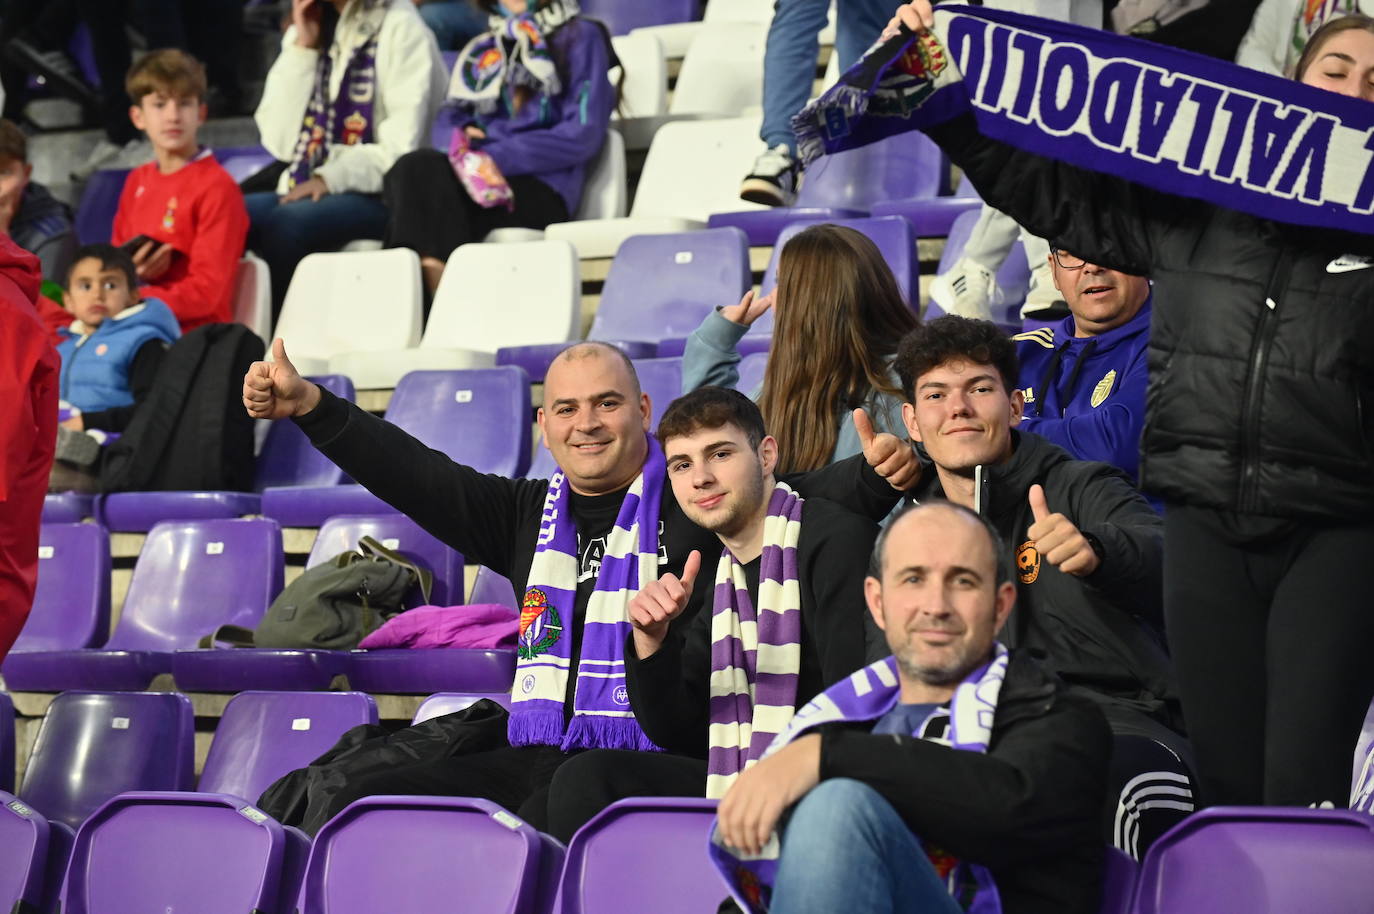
x: 112, y: 350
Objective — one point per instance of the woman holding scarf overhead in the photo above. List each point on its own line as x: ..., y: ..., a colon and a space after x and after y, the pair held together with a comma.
x: 356, y: 86
x: 1257, y: 433
x: 532, y: 100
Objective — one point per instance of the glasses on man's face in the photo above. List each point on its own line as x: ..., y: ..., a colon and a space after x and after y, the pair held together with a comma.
x: 1066, y: 260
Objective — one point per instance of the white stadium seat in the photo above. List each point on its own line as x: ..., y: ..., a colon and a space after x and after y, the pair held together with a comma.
x: 492, y: 295
x: 604, y: 192
x: 253, y: 296
x: 722, y: 74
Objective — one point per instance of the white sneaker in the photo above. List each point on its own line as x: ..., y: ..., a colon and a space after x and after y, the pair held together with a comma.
x: 1043, y: 301
x: 968, y: 289
x: 773, y: 182
x: 108, y: 155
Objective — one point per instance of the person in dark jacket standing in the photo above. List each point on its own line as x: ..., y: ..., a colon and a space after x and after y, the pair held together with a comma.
x: 1257, y: 439
x: 947, y: 767
x: 786, y: 589
x: 1088, y: 551
x: 1083, y: 378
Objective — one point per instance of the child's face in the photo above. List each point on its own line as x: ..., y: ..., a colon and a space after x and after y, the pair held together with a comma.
x: 171, y: 123
x: 95, y: 293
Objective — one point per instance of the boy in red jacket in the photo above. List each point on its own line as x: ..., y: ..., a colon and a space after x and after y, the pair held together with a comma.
x: 188, y: 208
x: 28, y: 433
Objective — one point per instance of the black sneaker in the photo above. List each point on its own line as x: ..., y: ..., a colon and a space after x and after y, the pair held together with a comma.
x: 773, y: 181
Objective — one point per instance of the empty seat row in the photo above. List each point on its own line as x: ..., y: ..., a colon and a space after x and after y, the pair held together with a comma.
x: 193, y: 577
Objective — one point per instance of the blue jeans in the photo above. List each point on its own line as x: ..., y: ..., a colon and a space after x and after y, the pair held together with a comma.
x: 283, y: 233
x: 846, y: 849
x: 453, y: 22
x: 789, y: 61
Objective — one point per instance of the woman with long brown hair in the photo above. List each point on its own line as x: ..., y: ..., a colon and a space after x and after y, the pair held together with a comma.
x: 839, y: 318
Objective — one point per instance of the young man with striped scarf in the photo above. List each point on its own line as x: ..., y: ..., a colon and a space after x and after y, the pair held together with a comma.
x: 951, y: 776
x: 785, y: 616
x: 578, y: 547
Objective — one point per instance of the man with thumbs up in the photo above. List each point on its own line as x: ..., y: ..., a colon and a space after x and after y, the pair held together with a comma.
x: 1088, y: 551
x: 555, y: 540
x: 786, y: 591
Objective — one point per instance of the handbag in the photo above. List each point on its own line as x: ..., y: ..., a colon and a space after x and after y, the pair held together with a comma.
x: 337, y: 603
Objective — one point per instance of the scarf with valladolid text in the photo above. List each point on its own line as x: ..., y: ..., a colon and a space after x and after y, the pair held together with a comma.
x: 514, y: 53
x: 755, y: 653
x: 348, y: 119
x: 866, y: 696
x: 602, y: 718
x: 1163, y: 118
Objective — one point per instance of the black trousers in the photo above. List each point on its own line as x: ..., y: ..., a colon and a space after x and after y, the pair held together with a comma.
x: 1151, y: 781
x: 1270, y: 627
x: 595, y: 779
x: 516, y: 777
x: 429, y: 212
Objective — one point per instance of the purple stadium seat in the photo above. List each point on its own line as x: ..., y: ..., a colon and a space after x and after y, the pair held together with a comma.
x: 94, y: 745
x: 287, y: 669
x: 67, y: 507
x: 243, y: 161
x: 661, y: 379
x: 94, y: 218
x: 6, y: 745
x: 1013, y: 277
x: 894, y: 238
x: 658, y: 286
x: 190, y: 578
x: 847, y: 185
x: 427, y: 854
x: 932, y: 217
x: 479, y: 417
x: 287, y: 459
x: 33, y: 858
x: 441, y: 703
x: 1260, y: 860
x: 751, y: 369
x: 203, y: 852
x: 682, y: 879
x: 490, y: 587
x: 1119, y: 873
x: 417, y: 671
x: 622, y: 16
x: 71, y: 606
x: 263, y: 735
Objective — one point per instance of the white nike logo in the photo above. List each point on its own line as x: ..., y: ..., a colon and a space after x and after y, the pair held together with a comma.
x: 1347, y: 262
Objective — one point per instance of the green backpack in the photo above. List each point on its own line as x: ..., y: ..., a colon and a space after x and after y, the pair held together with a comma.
x: 337, y: 603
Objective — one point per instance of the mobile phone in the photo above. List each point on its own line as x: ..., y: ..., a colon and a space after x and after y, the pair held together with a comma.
x: 982, y: 490
x: 133, y: 245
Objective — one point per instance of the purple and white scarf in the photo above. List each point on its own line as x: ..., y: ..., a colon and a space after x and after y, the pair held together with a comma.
x: 347, y: 119
x: 514, y: 53
x: 867, y: 695
x: 602, y: 718
x: 755, y: 653
x: 1163, y: 118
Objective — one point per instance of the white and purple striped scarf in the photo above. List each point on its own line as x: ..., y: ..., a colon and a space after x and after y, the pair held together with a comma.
x: 602, y: 718
x: 867, y: 695
x: 755, y: 653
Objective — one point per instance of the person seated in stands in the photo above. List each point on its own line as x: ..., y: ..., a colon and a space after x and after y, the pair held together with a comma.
x: 110, y: 355
x: 578, y: 546
x: 181, y: 214
x: 530, y: 103
x: 837, y: 305
x: 36, y: 220
x: 356, y: 86
x: 952, y: 775
x: 1088, y: 548
x: 787, y: 589
x: 1083, y: 379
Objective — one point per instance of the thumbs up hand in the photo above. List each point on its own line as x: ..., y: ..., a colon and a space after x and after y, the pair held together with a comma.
x: 275, y: 390
x: 891, y: 458
x: 1058, y: 541
x: 659, y: 603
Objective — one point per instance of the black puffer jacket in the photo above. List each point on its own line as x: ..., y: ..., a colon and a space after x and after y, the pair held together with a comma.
x: 1262, y: 346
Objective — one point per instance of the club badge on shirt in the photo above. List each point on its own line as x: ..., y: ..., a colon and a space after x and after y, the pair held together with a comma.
x: 169, y: 218
x: 1103, y: 388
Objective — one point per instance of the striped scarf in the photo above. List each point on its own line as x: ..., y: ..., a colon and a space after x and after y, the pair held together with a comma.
x: 514, y: 53
x: 755, y: 653
x: 866, y: 696
x: 347, y: 119
x: 602, y: 718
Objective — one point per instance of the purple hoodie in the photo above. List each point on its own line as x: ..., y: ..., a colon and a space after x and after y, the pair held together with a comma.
x: 554, y: 138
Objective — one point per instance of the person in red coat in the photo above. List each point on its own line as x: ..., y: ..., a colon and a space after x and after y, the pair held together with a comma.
x: 28, y: 433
